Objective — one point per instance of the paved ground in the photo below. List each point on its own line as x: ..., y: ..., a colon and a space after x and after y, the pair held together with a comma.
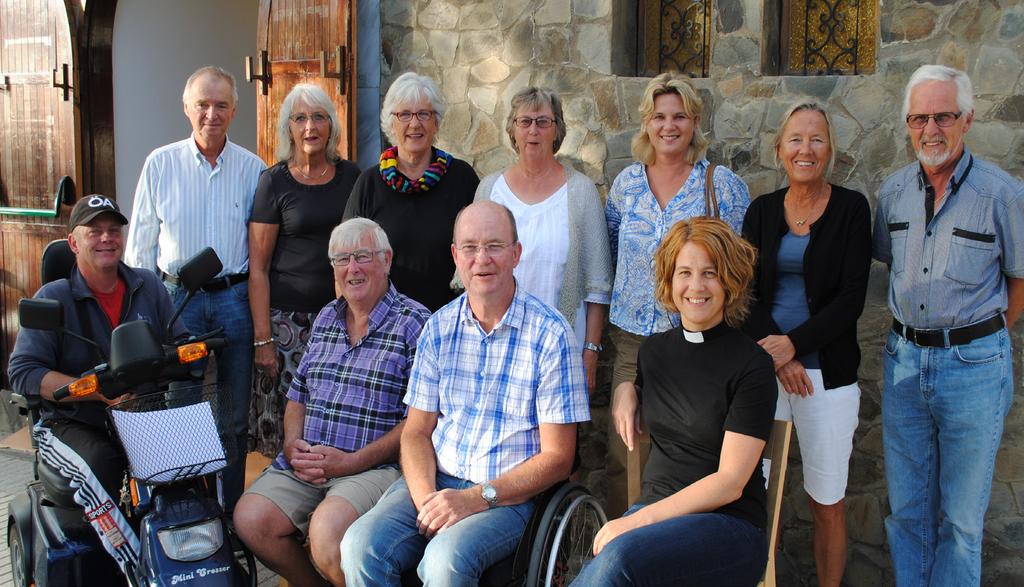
x: 15, y: 474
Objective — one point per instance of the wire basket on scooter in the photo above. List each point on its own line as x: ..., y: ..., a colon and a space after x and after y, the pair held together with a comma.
x: 177, y: 434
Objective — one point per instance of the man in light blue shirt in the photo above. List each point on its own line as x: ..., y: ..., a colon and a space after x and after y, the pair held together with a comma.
x: 198, y: 193
x: 951, y: 228
x: 495, y: 393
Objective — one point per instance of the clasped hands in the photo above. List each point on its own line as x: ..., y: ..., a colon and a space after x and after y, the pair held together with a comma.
x: 316, y: 463
x: 440, y: 510
x: 791, y: 372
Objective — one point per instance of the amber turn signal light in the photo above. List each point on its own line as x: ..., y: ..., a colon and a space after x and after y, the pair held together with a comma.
x: 188, y: 353
x: 87, y: 385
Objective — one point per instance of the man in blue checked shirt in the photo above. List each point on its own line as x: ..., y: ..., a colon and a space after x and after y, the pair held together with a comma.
x: 496, y: 390
x: 198, y: 193
x: 951, y: 228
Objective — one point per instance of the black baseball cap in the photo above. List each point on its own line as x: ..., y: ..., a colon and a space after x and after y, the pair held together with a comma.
x: 92, y: 206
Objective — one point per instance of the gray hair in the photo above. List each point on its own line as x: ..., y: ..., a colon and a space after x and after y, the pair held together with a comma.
x: 350, y: 232
x: 941, y: 73
x: 808, y: 106
x: 313, y: 96
x: 536, y: 98
x: 215, y: 71
x: 408, y: 88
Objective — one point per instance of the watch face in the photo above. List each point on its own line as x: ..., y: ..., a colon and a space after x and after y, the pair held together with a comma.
x: 490, y: 494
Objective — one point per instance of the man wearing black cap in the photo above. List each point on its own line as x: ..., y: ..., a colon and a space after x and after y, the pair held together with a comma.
x: 100, y: 293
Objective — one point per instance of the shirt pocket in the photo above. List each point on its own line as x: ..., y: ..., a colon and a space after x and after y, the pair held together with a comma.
x: 970, y: 256
x: 898, y: 243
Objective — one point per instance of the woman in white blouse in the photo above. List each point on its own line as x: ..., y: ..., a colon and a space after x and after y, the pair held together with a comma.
x: 566, y: 261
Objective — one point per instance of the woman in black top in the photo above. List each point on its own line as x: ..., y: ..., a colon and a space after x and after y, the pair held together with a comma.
x: 706, y: 394
x: 298, y: 202
x: 814, y: 240
x: 416, y: 191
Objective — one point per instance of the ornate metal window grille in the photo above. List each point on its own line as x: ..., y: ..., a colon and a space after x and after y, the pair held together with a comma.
x: 829, y: 37
x: 675, y: 35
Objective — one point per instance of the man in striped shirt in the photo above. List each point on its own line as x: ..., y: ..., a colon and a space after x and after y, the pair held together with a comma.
x: 198, y: 193
x: 496, y: 391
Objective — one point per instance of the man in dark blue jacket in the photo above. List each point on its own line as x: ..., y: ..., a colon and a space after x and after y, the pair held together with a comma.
x: 101, y: 293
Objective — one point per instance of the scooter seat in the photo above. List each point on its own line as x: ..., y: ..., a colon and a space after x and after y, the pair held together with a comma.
x: 56, y: 486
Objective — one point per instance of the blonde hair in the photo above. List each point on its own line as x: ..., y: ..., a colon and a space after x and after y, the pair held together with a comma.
x: 734, y: 260
x: 808, y: 106
x: 693, y: 106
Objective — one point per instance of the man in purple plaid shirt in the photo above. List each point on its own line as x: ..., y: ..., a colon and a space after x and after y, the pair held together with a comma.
x: 344, y: 415
x: 494, y: 398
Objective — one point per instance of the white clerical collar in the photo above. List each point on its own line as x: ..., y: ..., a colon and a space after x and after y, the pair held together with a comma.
x: 697, y: 337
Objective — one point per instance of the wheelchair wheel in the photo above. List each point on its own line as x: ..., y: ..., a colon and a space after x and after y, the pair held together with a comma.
x: 566, y: 536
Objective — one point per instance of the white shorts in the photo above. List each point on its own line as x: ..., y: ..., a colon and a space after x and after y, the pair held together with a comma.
x: 825, y: 422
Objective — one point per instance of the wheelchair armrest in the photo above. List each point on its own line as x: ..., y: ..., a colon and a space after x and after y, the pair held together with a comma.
x: 27, y: 406
x: 19, y: 401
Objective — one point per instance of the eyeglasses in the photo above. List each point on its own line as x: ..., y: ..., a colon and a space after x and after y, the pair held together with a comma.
x: 362, y: 257
x: 406, y: 116
x: 540, y: 121
x: 316, y: 117
x: 943, y: 119
x: 492, y: 249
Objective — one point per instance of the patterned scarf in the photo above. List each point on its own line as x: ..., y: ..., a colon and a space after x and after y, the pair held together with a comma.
x: 393, y: 177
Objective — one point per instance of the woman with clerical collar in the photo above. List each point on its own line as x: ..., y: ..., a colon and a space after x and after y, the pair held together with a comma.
x: 706, y: 394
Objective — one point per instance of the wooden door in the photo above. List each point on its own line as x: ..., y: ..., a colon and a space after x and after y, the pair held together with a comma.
x: 291, y: 38
x: 37, y: 145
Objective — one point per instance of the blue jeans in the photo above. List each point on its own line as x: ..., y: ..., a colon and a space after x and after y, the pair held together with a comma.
x: 695, y: 549
x: 384, y: 542
x: 942, y: 418
x: 228, y: 308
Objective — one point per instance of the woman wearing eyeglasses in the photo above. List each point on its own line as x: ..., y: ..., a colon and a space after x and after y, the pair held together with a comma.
x: 416, y: 191
x: 297, y: 203
x: 565, y: 261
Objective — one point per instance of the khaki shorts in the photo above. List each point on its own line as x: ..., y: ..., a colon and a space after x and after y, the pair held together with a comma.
x: 297, y: 498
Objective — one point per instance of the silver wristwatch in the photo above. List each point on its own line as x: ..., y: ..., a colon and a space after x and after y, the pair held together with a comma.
x: 490, y: 494
x: 597, y: 348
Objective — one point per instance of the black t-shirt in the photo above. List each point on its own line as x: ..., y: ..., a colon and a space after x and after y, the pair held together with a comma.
x: 419, y: 227
x: 301, y: 279
x: 691, y: 394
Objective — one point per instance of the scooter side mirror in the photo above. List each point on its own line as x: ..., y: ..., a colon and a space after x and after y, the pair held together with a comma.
x: 135, y: 352
x: 41, y: 314
x: 202, y: 267
x: 46, y: 314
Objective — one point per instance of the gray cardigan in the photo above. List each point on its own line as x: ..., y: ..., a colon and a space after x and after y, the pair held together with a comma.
x: 588, y: 267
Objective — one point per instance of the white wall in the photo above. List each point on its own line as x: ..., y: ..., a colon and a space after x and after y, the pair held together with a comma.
x: 157, y: 45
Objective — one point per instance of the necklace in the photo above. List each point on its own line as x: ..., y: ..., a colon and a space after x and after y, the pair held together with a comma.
x: 311, y: 178
x: 814, y: 205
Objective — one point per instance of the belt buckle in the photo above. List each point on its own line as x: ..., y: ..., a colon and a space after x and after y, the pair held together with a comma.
x: 907, y: 333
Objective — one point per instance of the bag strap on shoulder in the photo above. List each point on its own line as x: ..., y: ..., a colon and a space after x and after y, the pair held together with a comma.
x: 710, y: 199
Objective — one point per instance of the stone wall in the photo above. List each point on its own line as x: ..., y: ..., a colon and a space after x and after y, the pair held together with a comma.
x: 481, y: 53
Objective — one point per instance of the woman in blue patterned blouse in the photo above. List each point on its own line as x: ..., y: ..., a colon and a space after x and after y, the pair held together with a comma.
x: 665, y: 185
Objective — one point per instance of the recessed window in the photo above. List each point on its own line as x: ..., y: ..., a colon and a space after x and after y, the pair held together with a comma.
x: 826, y: 37
x: 674, y: 35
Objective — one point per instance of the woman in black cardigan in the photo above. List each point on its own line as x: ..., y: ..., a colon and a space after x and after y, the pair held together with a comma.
x: 814, y: 243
